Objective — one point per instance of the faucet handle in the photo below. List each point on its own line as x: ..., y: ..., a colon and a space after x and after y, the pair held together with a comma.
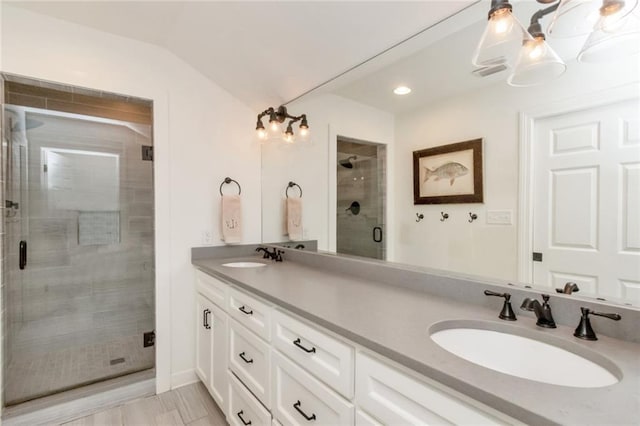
x: 569, y: 288
x: 584, y: 329
x: 506, y: 313
x: 545, y: 298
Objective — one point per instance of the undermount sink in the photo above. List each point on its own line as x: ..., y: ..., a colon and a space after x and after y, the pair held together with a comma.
x: 508, y: 352
x: 244, y: 264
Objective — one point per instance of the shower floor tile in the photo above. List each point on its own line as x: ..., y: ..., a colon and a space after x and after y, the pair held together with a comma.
x: 32, y: 376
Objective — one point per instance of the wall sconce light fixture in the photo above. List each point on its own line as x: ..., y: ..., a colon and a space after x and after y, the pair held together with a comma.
x: 613, y: 32
x: 276, y: 118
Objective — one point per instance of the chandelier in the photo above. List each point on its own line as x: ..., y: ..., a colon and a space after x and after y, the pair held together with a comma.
x: 613, y: 32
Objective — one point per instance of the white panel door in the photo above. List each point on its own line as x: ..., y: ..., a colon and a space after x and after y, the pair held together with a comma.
x: 587, y: 201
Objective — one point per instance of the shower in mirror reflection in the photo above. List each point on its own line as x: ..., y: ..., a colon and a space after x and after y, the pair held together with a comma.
x: 613, y: 33
x: 361, y: 198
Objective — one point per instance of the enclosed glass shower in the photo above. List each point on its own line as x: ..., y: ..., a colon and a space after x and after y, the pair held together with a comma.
x: 361, y: 198
x: 79, y: 238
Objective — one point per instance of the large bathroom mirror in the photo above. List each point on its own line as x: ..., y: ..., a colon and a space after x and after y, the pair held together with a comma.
x: 561, y: 164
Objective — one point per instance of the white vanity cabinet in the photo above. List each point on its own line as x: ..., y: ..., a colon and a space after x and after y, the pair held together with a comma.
x: 212, y: 337
x: 250, y: 360
x: 393, y: 397
x: 329, y: 359
x: 300, y: 399
x: 244, y: 408
x: 266, y: 366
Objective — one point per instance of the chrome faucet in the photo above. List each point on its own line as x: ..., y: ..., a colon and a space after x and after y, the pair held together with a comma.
x: 542, y: 311
x: 568, y: 288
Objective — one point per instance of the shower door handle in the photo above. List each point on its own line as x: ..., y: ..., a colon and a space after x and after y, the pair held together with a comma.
x: 377, y: 234
x: 23, y: 254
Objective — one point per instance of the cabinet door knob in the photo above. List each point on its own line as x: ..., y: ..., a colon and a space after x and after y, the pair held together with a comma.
x: 298, y: 344
x: 299, y: 410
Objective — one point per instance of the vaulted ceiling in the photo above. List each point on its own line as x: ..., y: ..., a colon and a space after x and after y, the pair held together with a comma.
x: 264, y: 53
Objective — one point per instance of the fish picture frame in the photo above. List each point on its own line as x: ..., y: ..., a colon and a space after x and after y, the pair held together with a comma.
x: 448, y: 174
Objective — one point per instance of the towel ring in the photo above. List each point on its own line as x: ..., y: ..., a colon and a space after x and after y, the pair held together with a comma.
x: 228, y: 180
x: 291, y: 185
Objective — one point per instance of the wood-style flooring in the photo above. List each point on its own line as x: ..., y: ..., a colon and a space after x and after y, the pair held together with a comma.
x: 189, y: 405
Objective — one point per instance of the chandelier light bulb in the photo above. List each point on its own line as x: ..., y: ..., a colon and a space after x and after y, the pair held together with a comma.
x: 535, y: 48
x: 501, y: 21
x: 304, y: 131
x: 502, y: 37
x: 274, y: 126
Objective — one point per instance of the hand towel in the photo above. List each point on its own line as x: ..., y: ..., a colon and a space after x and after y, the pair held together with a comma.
x: 231, y: 219
x: 294, y: 218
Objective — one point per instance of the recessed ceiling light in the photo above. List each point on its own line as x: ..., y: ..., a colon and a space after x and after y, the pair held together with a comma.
x: 402, y: 90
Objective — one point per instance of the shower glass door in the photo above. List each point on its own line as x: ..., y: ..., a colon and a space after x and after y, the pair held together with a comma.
x: 79, y: 244
x: 360, y: 216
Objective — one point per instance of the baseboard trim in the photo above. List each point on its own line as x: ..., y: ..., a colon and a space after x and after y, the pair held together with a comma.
x: 84, y: 406
x: 183, y: 378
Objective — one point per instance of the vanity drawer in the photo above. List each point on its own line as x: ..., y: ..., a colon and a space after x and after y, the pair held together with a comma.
x: 213, y: 289
x: 301, y: 399
x: 363, y: 419
x: 250, y: 312
x: 394, y: 397
x: 327, y: 358
x: 250, y: 360
x: 244, y: 407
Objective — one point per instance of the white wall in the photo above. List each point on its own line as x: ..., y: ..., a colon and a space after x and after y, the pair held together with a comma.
x: 201, y: 135
x: 312, y: 163
x: 491, y: 113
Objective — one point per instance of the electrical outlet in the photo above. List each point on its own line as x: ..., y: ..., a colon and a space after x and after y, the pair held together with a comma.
x: 207, y: 237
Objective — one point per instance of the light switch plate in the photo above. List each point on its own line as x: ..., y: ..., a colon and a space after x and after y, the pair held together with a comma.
x: 499, y: 217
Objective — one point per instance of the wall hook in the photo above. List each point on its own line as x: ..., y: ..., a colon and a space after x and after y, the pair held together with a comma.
x: 472, y: 217
x: 419, y: 216
x: 444, y: 215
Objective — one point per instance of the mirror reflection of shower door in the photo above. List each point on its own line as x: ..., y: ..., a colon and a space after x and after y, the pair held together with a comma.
x: 361, y: 198
x: 82, y: 199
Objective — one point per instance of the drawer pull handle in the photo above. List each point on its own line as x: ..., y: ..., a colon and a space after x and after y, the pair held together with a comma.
x: 205, y: 319
x: 240, y: 413
x: 244, y: 311
x: 299, y: 410
x: 248, y: 361
x: 309, y: 351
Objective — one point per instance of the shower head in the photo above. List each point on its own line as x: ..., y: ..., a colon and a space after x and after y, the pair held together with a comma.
x: 346, y: 163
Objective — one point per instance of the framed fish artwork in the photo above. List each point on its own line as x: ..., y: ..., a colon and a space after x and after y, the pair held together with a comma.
x: 448, y: 174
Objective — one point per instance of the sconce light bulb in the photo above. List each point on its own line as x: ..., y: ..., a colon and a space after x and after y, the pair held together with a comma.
x: 304, y: 131
x: 262, y: 134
